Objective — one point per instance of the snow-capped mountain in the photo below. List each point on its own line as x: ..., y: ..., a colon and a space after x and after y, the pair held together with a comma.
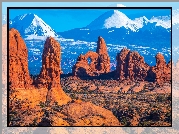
x: 147, y: 35
x: 117, y: 19
x: 117, y: 28
x: 32, y: 27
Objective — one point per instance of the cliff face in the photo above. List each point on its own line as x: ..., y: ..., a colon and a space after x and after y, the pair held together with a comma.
x: 131, y: 65
x: 100, y: 61
x: 18, y: 61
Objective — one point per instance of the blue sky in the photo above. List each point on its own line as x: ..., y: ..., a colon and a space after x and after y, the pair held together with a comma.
x: 61, y: 19
x: 66, y: 18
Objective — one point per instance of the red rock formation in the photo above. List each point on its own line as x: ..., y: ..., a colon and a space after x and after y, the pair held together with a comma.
x: 75, y: 113
x: 161, y: 72
x: 104, y: 59
x: 49, y: 76
x: 122, y: 65
x: 50, y: 72
x: 18, y: 61
x: 131, y: 65
x: 82, y: 68
x: 87, y: 114
x: 100, y: 61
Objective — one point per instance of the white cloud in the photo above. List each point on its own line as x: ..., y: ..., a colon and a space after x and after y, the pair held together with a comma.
x: 119, y: 19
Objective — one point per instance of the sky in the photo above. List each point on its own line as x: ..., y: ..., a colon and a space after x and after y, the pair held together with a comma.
x: 66, y: 19
x: 60, y: 19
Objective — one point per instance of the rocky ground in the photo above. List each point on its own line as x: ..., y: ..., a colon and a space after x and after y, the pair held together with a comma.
x: 133, y: 103
x: 94, y: 103
x: 34, y: 110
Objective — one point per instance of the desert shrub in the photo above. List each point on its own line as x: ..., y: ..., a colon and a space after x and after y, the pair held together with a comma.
x: 169, y: 97
x: 34, y: 123
x: 66, y: 89
x: 145, y: 123
x: 161, y: 98
x: 73, y: 96
x: 143, y: 91
x: 14, y: 118
x: 125, y: 121
x: 14, y: 107
x: 42, y: 104
x: 154, y: 115
x: 168, y: 117
x: 56, y: 107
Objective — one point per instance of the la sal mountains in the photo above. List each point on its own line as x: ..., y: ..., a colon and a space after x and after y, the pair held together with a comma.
x: 117, y: 28
x: 146, y: 34
x: 113, y: 25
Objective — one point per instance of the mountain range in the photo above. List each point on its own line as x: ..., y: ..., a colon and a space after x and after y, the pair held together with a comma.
x: 113, y: 21
x: 117, y: 28
x: 146, y: 35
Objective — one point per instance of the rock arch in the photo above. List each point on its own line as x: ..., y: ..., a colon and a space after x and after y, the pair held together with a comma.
x: 100, y: 61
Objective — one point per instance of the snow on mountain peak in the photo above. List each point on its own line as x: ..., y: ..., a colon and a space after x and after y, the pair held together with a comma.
x: 39, y: 24
x: 119, y: 19
x: 21, y: 17
x: 31, y: 25
x: 163, y: 21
